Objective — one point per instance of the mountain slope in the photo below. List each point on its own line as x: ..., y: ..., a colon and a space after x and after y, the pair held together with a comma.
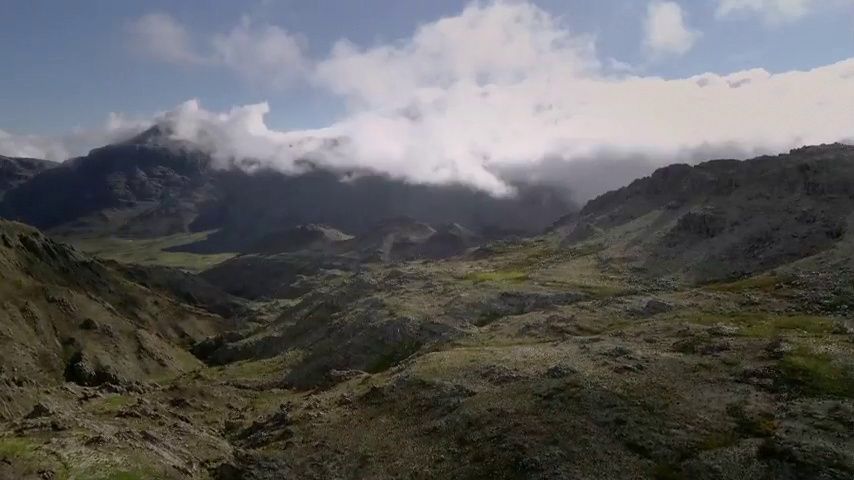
x: 725, y: 218
x: 140, y: 188
x: 568, y: 355
x: 67, y: 317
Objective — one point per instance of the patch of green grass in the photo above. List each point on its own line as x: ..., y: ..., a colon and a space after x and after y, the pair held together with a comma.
x: 258, y: 369
x: 501, y: 276
x: 585, y: 249
x: 816, y: 374
x: 25, y: 456
x: 762, y: 325
x: 120, y: 475
x: 548, y: 252
x: 125, y: 475
x: 132, y: 467
x: 597, y: 291
x: 267, y: 401
x: 604, y: 291
x: 150, y: 251
x: 111, y: 404
x: 789, y: 324
x: 14, y: 447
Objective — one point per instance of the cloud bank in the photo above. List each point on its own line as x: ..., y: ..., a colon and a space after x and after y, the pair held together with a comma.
x: 505, y: 90
x: 62, y: 147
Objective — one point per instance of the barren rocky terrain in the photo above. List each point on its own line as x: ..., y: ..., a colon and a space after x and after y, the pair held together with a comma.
x: 696, y: 324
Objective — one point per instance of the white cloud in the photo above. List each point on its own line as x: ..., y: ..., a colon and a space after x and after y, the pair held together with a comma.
x: 77, y: 142
x: 505, y: 88
x: 498, y: 44
x: 32, y: 146
x: 163, y: 38
x: 476, y: 134
x: 263, y: 54
x: 775, y: 11
x: 665, y: 30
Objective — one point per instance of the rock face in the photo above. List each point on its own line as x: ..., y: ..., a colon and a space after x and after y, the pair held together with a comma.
x: 151, y: 186
x: 727, y: 218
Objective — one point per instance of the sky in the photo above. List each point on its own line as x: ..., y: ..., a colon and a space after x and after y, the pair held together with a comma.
x: 430, y: 91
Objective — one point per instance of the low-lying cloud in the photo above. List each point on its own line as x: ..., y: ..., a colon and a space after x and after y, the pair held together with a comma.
x: 505, y: 90
x: 117, y: 127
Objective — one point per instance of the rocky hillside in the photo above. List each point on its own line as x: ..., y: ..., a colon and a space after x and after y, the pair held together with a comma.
x: 615, y: 346
x: 69, y: 318
x: 726, y: 218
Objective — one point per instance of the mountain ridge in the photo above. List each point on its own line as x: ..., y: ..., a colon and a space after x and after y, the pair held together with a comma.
x: 151, y: 185
x: 726, y: 218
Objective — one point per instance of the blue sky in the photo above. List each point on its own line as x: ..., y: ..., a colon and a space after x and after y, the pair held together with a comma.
x: 431, y: 91
x: 68, y: 64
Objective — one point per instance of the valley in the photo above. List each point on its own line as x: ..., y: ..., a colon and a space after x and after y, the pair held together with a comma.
x: 418, y: 240
x: 695, y: 324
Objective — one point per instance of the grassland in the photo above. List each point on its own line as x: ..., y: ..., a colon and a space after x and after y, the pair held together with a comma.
x: 150, y: 251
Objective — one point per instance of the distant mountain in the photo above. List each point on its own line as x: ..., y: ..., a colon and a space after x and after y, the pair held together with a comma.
x: 151, y: 186
x: 725, y: 218
x: 281, y: 273
x: 405, y: 238
x: 141, y: 188
x: 15, y: 171
x: 300, y: 237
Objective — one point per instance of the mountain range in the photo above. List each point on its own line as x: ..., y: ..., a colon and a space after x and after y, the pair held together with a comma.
x: 151, y: 186
x: 165, y: 317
